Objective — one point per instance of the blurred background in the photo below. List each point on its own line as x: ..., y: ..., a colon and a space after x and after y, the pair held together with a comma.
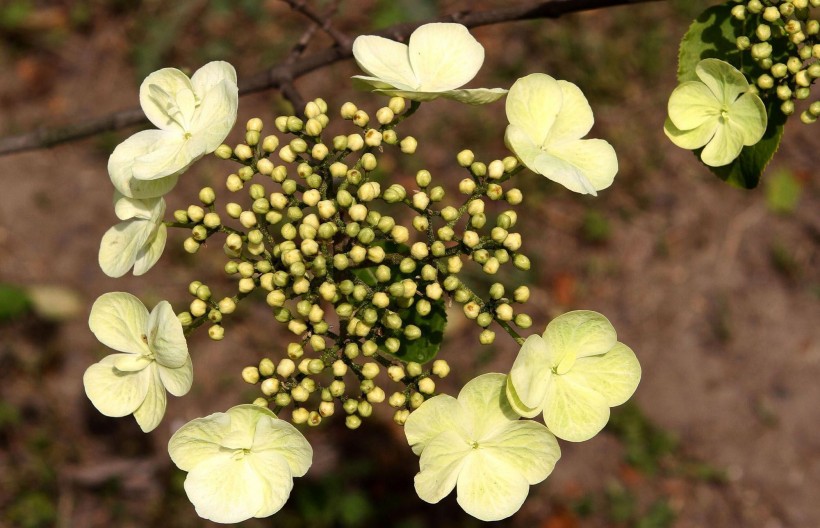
x: 716, y: 289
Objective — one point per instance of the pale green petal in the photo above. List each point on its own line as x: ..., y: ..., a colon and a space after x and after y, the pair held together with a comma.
x: 533, y: 104
x: 557, y: 170
x: 150, y: 413
x: 280, y: 437
x: 582, y: 332
x: 488, y: 488
x: 151, y: 252
x: 362, y: 82
x: 748, y: 116
x: 475, y: 96
x: 691, y: 105
x: 574, y: 412
x: 121, y: 164
x: 574, y: 119
x: 434, y: 416
x: 244, y: 419
x: 527, y: 447
x: 384, y: 59
x: 118, y: 320
x: 121, y: 244
x: 724, y: 147
x: 615, y: 374
x: 132, y: 362
x: 132, y: 208
x: 170, y: 156
x: 166, y: 337
x: 198, y: 440
x: 529, y: 377
x: 440, y: 464
x: 178, y: 380
x: 724, y: 80
x: 171, y: 81
x: 226, y: 488
x: 522, y: 146
x: 214, y: 118
x: 210, y: 75
x: 485, y: 404
x: 113, y: 392
x: 411, y: 95
x: 444, y: 56
x: 274, y: 472
x: 594, y: 162
x: 691, y: 139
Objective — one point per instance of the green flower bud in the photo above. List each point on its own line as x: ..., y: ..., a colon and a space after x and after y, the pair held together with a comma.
x: 521, y: 262
x: 294, y: 124
x: 504, y: 312
x: 385, y: 115
x: 270, y: 386
x: 243, y: 152
x: 465, y: 158
x: 423, y: 178
x: 412, y: 332
x: 787, y: 107
x: 350, y: 406
x: 355, y: 142
x: 297, y: 327
x: 397, y: 399
x: 190, y: 245
x: 408, y: 145
x: 491, y: 266
x: 368, y: 191
x: 413, y: 369
x: 771, y: 14
x: 392, y: 345
x: 372, y: 138
x: 466, y: 186
x: 370, y: 370
x: 495, y: 169
x: 486, y: 337
x: 427, y: 386
x: 802, y: 93
x: 348, y: 110
x: 353, y: 422
x: 369, y: 348
x: 250, y: 375
x: 396, y: 105
x: 437, y: 193
x: 216, y: 332
x: 437, y: 248
x: 420, y: 201
x: 765, y: 82
x: 181, y: 216
x: 199, y: 233
x: 807, y: 118
x: 419, y: 251
x: 252, y: 138
x: 433, y: 291
x: 471, y: 310
x: 523, y: 321
x: 360, y: 118
x: 739, y: 12
x: 223, y: 151
x: 462, y: 296
x: 368, y: 161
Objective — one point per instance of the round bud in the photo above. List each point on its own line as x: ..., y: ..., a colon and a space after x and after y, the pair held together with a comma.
x: 355, y: 142
x: 523, y: 321
x: 466, y: 186
x: 360, y: 118
x: 223, y: 152
x: 408, y: 145
x: 216, y: 332
x: 352, y: 421
x: 514, y: 196
x: 427, y: 386
x: 465, y: 158
x: 243, y: 152
x: 372, y: 138
x: 385, y: 115
x: 250, y: 375
x: 484, y: 319
x: 190, y: 245
x: 396, y: 105
x: 486, y: 337
x: 270, y: 143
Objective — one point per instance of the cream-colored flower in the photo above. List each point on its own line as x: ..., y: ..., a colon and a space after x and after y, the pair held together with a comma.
x: 154, y: 359
x: 193, y: 117
x: 437, y: 61
x: 240, y: 463
x: 718, y: 113
x: 547, y: 119
x: 138, y: 241
x: 573, y: 373
x: 477, y: 444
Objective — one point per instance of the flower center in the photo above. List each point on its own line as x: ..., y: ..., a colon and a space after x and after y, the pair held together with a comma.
x: 239, y: 454
x: 724, y: 114
x: 187, y: 135
x: 474, y: 444
x: 150, y: 353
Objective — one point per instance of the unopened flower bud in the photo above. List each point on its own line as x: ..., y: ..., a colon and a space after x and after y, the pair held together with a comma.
x: 408, y: 145
x: 250, y: 375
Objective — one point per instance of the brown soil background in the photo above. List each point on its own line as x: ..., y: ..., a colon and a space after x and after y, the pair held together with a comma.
x: 718, y: 295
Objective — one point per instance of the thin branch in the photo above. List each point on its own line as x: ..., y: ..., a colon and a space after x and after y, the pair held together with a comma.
x: 284, y: 74
x: 323, y: 21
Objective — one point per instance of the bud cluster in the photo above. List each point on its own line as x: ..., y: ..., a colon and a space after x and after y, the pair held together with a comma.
x: 785, y: 46
x: 352, y: 265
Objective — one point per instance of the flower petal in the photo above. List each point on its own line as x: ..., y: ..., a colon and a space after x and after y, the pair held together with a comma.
x: 593, y: 163
x: 529, y: 377
x: 121, y: 163
x: 475, y: 96
x: 225, y: 488
x: 118, y: 320
x: 273, y: 470
x: 172, y: 155
x: 724, y: 147
x: 691, y: 139
x: 615, y: 374
x: 113, y: 392
x: 583, y: 332
x: 574, y: 412
x: 160, y: 110
x: 574, y: 119
x: 484, y: 401
x: 434, y: 416
x: 136, y: 209
x: 692, y: 104
x: 527, y: 447
x: 748, y: 116
x: 363, y: 82
x: 214, y: 118
x: 724, y: 80
x: 488, y: 488
x: 533, y: 104
x: 166, y: 337
x: 440, y: 464
x: 150, y: 413
x: 151, y: 252
x: 198, y: 440
x: 178, y: 380
x: 384, y: 59
x: 210, y: 75
x: 121, y: 244
x: 444, y: 56
x: 280, y: 437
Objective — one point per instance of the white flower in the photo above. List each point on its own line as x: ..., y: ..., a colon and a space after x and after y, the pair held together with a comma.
x: 193, y: 116
x: 718, y: 113
x: 155, y: 358
x: 574, y: 373
x: 439, y: 59
x: 136, y: 242
x: 547, y: 119
x: 477, y: 444
x: 240, y: 463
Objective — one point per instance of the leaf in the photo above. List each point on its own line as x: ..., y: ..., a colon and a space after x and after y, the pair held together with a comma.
x: 432, y: 326
x: 13, y: 302
x: 713, y: 34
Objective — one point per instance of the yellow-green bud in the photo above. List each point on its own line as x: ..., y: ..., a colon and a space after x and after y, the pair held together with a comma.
x: 486, y: 337
x: 223, y: 151
x: 250, y: 375
x: 408, y: 145
x: 441, y: 368
x: 190, y: 245
x: 368, y: 191
x: 385, y: 115
x: 360, y: 118
x: 427, y: 386
x: 372, y: 138
x: 216, y: 332
x: 396, y: 104
x: 243, y: 152
x: 355, y: 142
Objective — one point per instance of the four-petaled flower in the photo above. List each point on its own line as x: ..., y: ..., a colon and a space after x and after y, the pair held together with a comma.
x: 477, y: 444
x: 438, y: 59
x: 240, y: 463
x: 193, y: 116
x: 718, y: 112
x: 575, y: 372
x: 137, y: 241
x: 155, y: 358
x: 547, y: 119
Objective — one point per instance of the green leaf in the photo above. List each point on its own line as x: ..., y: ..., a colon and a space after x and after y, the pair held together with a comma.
x: 13, y: 302
x: 713, y: 34
x: 432, y: 326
